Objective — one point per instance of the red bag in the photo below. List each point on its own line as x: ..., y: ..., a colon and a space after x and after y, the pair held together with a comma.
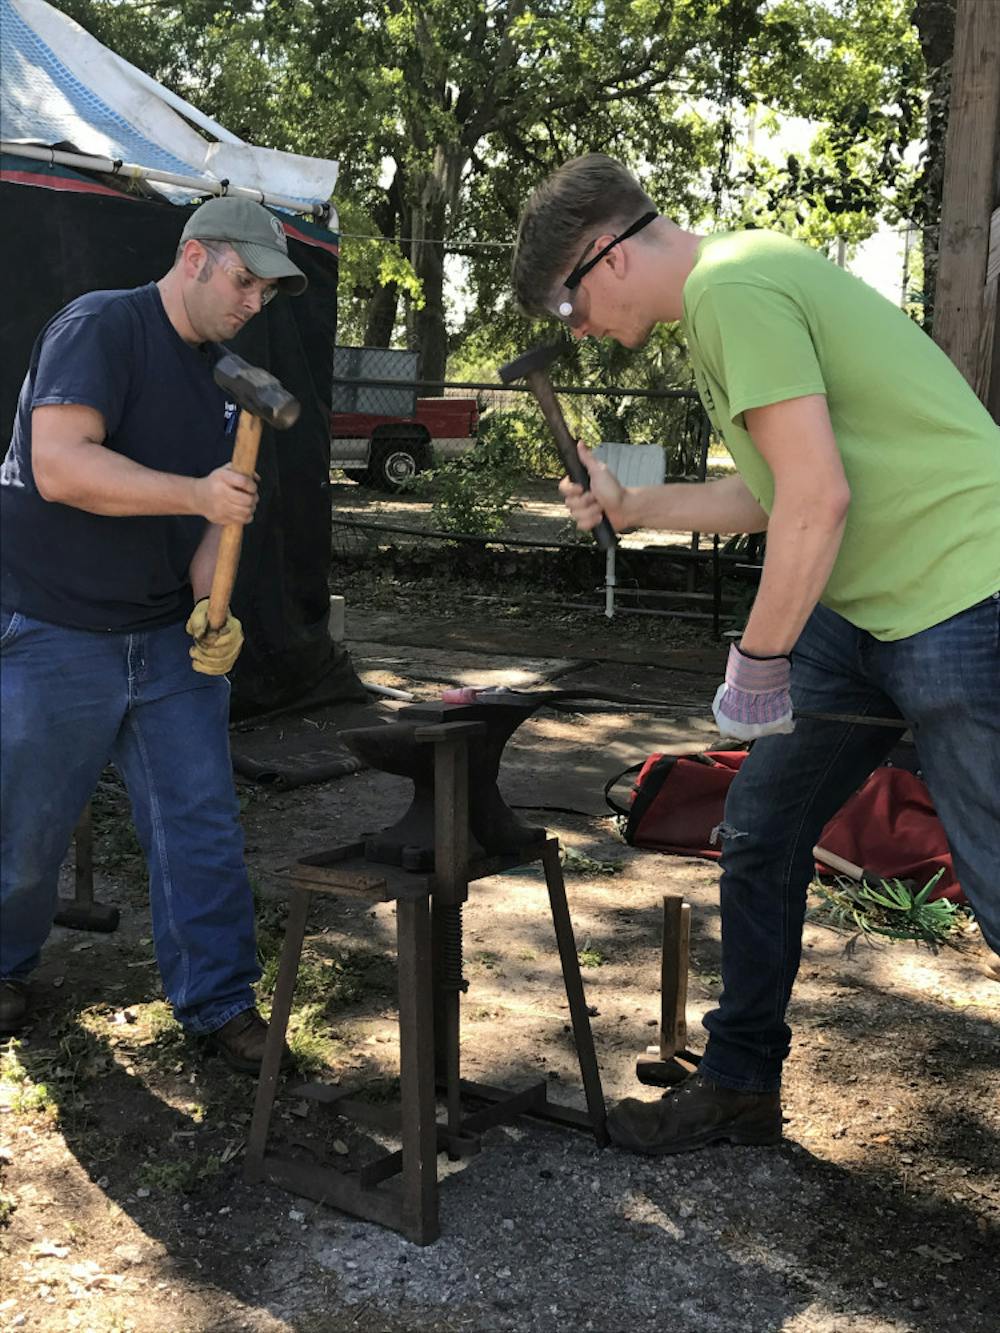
x: 888, y: 826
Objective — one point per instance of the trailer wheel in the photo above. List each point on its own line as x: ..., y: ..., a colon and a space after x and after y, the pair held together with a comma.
x: 395, y: 461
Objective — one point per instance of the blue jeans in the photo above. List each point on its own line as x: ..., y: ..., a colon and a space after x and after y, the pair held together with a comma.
x: 946, y: 682
x: 72, y: 700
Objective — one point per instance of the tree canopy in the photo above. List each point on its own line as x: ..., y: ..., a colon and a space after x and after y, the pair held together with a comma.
x: 445, y: 113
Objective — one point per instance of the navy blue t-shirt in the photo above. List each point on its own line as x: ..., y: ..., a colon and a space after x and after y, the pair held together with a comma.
x: 116, y: 352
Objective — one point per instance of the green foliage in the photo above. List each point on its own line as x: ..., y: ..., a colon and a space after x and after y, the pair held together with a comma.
x: 444, y: 114
x: 474, y: 493
x: 178, y: 1177
x: 892, y: 910
x: 21, y: 1093
x: 591, y: 956
x: 580, y: 863
x: 519, y: 436
x: 856, y: 70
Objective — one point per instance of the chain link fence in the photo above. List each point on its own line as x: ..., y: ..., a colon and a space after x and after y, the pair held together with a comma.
x: 455, y: 468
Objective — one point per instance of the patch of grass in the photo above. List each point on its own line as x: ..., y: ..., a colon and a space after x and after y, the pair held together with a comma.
x: 579, y: 863
x: 890, y: 909
x: 591, y: 956
x: 310, y: 1040
x: 379, y: 1090
x: 178, y: 1177
x: 488, y: 959
x: 8, y: 1207
x: 270, y: 915
x: 158, y: 1034
x: 34, y: 1099
x: 340, y: 977
x: 22, y: 1094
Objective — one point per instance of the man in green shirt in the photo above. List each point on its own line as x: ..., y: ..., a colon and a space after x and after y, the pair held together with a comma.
x: 876, y: 473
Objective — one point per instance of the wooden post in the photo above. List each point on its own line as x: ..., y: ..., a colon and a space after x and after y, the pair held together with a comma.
x: 674, y: 975
x: 969, y: 251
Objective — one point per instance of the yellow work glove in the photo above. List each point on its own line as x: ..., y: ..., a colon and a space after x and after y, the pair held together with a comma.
x: 214, y: 652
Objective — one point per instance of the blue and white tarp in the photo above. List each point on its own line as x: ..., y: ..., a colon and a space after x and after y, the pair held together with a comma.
x: 60, y: 85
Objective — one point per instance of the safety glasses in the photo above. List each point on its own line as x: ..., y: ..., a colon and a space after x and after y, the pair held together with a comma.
x: 565, y: 301
x: 242, y: 279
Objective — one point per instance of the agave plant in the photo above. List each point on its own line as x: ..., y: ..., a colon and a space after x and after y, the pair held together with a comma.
x: 891, y: 908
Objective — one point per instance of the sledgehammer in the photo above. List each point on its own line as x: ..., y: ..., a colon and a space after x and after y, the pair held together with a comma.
x: 261, y: 398
x: 533, y: 366
x: 83, y: 911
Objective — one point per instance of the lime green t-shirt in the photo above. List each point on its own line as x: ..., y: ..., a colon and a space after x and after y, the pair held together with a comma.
x: 768, y: 319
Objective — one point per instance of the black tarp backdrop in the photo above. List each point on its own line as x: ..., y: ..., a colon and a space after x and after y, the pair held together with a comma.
x: 61, y: 243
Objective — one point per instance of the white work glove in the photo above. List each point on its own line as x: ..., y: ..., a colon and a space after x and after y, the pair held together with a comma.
x: 754, y: 699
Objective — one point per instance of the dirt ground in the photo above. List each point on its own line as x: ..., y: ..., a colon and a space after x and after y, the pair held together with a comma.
x: 122, y: 1200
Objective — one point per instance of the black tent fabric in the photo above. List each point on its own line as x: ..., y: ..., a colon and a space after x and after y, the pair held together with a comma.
x: 78, y: 236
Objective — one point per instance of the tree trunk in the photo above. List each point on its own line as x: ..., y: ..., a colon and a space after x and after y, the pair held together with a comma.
x: 430, y: 333
x: 380, y: 320
x: 935, y: 24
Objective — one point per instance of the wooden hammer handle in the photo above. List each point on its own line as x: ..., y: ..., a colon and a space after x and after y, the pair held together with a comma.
x: 839, y: 863
x: 541, y: 387
x: 244, y: 460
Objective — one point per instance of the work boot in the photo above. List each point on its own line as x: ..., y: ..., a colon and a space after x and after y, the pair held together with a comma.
x: 693, y: 1115
x: 15, y: 1005
x: 240, y: 1042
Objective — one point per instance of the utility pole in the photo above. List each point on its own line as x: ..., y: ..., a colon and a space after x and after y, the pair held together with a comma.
x: 968, y: 282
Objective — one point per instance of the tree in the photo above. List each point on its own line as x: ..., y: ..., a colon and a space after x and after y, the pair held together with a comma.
x: 445, y: 113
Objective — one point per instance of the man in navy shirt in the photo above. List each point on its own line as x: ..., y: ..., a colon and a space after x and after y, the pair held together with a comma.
x: 113, y: 496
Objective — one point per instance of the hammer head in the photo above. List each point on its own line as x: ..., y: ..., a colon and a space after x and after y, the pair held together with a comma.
x: 539, y: 358
x: 256, y: 391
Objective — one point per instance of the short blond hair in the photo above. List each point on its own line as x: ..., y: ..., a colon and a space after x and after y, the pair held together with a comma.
x: 585, y: 197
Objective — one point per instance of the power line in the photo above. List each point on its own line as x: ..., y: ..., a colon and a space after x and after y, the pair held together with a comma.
x: 428, y: 240
x: 458, y: 246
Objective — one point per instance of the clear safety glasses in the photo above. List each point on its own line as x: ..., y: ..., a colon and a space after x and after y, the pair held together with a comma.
x: 242, y: 279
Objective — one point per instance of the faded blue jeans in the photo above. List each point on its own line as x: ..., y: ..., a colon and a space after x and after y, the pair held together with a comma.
x: 946, y: 682
x: 73, y: 700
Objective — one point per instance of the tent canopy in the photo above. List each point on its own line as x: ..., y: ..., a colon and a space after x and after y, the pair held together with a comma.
x: 60, y: 85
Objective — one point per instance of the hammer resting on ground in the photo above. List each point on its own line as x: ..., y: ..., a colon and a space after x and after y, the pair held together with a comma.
x: 260, y: 398
x: 533, y: 366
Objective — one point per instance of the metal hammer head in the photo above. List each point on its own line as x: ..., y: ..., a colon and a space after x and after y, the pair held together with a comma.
x: 539, y: 358
x: 256, y: 391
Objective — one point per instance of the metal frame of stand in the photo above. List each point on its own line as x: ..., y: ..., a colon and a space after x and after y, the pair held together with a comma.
x: 400, y: 1188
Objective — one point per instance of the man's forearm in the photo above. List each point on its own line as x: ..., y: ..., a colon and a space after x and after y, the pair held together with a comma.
x: 802, y: 546
x: 203, y: 562
x: 711, y: 506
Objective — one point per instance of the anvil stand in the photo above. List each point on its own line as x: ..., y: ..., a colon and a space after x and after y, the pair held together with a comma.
x: 400, y: 1189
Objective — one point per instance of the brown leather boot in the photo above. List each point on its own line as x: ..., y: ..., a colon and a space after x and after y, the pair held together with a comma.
x: 693, y: 1115
x: 240, y: 1042
x: 15, y: 1006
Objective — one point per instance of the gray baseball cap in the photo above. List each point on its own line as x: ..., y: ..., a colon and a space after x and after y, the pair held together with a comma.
x: 255, y: 234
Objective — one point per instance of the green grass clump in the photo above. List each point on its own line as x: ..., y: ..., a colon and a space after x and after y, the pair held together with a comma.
x: 579, y: 863
x: 591, y: 956
x: 890, y: 909
x: 178, y: 1177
